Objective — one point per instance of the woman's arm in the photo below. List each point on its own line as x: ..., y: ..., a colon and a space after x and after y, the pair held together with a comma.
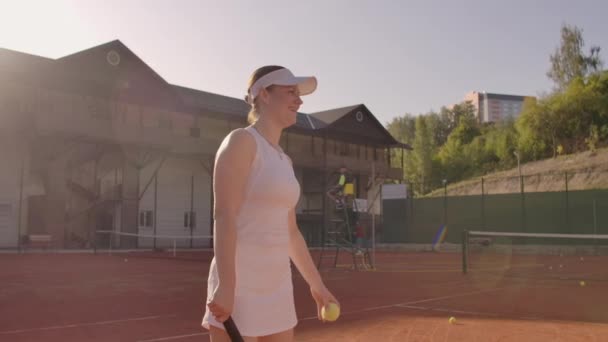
x: 298, y: 251
x: 232, y: 168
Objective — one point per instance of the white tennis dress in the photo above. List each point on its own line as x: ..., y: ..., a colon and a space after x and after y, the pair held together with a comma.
x: 263, y: 302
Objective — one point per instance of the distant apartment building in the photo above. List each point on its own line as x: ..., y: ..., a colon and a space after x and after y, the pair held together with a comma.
x: 492, y: 107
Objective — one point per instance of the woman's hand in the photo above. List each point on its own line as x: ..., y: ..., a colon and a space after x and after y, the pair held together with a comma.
x: 322, y: 297
x: 221, y: 304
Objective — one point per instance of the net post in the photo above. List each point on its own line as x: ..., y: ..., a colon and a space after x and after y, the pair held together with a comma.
x: 111, y: 243
x: 483, y: 205
x: 465, y: 243
x: 595, y: 226
x: 568, y: 228
x: 174, y: 246
x: 95, y: 242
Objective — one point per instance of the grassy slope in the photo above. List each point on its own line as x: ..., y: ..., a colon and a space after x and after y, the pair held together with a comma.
x: 585, y: 171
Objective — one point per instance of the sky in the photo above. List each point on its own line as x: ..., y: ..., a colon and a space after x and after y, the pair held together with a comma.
x: 396, y: 57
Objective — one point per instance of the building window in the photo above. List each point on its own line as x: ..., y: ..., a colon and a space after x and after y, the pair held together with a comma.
x: 145, y: 218
x: 343, y: 148
x: 190, y: 219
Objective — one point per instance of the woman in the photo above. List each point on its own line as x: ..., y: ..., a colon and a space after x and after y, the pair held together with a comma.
x: 255, y: 229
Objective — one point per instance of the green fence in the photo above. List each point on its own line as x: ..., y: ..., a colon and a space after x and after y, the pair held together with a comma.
x: 417, y: 220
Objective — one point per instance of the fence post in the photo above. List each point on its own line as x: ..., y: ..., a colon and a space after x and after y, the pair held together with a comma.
x: 567, y: 205
x: 483, y: 206
x: 445, y: 202
x: 523, y: 204
x: 411, y: 202
x: 595, y: 222
x: 465, y: 251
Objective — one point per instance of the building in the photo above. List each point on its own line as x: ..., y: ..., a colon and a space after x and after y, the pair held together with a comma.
x: 492, y: 107
x: 97, y: 140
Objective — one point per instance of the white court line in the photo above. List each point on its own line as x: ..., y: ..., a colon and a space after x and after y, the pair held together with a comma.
x: 413, y: 302
x: 407, y: 305
x: 203, y: 334
x: 491, y: 314
x: 453, y: 296
x: 423, y: 308
x: 374, y: 308
x: 173, y: 337
x: 84, y: 324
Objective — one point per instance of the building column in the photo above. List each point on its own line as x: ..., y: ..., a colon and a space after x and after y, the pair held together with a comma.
x: 130, y: 204
x: 56, y: 200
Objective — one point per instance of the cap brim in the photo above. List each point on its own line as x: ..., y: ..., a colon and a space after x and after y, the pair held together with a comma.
x: 306, y: 85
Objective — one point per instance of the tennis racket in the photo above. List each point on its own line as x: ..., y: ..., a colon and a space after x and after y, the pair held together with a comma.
x: 233, y: 331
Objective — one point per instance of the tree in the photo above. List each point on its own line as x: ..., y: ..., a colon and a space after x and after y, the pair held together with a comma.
x: 403, y: 128
x: 444, y: 124
x: 467, y: 128
x: 560, y: 123
x: 568, y: 61
x: 500, y: 143
x: 454, y: 155
x: 424, y: 149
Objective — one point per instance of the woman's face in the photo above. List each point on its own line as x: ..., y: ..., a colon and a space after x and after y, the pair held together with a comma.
x: 282, y: 104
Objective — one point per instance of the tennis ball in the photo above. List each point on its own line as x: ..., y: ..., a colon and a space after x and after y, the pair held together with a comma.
x: 330, y: 312
x: 452, y: 320
x: 582, y: 283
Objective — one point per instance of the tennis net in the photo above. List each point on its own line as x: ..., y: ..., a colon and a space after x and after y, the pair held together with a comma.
x: 192, y: 247
x: 535, y: 255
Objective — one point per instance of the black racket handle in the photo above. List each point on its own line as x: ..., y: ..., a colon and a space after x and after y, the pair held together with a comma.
x: 233, y: 331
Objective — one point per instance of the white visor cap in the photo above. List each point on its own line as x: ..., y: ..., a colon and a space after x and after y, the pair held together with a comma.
x: 284, y: 77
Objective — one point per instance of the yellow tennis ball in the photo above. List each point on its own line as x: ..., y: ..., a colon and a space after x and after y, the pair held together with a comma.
x: 330, y: 312
x: 582, y: 282
x: 452, y: 320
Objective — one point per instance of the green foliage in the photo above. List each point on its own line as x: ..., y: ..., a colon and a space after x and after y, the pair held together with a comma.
x: 424, y: 149
x: 452, y: 145
x: 568, y: 62
x: 565, y: 119
x: 500, y: 143
x: 403, y: 128
x: 593, y: 138
x: 456, y: 157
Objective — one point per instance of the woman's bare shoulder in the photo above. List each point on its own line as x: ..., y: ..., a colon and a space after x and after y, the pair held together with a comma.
x: 239, y: 140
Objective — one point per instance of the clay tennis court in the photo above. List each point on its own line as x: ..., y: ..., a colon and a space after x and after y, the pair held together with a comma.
x: 409, y: 297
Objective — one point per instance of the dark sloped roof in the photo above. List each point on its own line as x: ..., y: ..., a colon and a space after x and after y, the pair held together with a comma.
x: 206, y: 101
x: 209, y: 103
x: 89, y: 72
x: 309, y: 122
x: 93, y: 62
x: 330, y: 116
x: 342, y: 121
x: 129, y: 79
x: 22, y: 62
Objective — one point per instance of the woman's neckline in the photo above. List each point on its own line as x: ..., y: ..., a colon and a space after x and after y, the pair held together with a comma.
x: 275, y: 147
